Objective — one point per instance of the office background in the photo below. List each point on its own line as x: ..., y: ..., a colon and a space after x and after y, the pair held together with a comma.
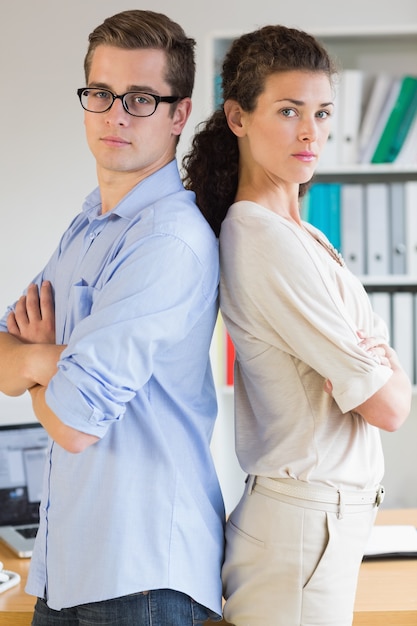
x: 47, y: 170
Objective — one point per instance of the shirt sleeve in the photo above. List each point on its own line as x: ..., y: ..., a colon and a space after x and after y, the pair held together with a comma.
x: 285, y: 295
x: 146, y: 301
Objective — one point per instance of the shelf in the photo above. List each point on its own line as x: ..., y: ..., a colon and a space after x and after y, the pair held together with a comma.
x: 369, y: 172
x: 398, y: 282
x: 350, y: 33
x: 372, y: 49
x: 402, y: 31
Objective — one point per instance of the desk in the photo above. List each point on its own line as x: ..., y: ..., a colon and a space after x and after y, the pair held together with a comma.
x: 16, y: 607
x: 387, y: 590
x: 386, y: 596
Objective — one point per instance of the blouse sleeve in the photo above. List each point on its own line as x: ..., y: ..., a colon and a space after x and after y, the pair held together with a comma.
x: 279, y: 287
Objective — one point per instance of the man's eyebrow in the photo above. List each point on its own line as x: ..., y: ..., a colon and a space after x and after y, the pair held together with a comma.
x: 140, y: 88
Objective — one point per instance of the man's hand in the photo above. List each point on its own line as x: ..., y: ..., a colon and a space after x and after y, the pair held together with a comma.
x: 33, y: 320
x: 28, y: 354
x: 31, y: 355
x: 68, y: 438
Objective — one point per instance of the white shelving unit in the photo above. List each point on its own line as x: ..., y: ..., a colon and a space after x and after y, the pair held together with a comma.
x: 372, y: 50
x: 376, y: 51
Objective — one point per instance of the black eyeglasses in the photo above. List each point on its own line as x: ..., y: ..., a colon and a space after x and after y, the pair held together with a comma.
x: 136, y: 103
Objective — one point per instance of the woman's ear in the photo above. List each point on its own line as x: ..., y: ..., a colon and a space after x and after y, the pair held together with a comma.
x: 234, y: 115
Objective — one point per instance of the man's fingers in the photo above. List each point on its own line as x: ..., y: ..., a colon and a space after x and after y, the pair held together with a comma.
x: 47, y: 309
x: 20, y: 312
x: 33, y: 320
x: 12, y: 326
x: 33, y: 310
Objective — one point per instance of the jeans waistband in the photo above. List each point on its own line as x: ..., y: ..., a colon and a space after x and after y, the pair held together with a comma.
x: 313, y: 493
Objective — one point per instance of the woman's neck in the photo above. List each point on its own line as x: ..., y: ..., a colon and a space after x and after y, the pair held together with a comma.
x: 280, y: 200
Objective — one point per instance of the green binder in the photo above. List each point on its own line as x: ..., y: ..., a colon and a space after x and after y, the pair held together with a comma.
x: 398, y: 123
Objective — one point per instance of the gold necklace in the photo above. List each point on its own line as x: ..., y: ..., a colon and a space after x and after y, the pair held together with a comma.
x: 330, y: 249
x: 335, y: 254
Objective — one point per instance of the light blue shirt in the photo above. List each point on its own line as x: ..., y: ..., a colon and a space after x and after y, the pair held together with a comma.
x: 136, y: 304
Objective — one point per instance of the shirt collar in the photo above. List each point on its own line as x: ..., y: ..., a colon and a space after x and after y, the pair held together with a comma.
x: 160, y: 184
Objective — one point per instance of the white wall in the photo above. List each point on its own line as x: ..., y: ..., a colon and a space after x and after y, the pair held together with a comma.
x: 46, y: 169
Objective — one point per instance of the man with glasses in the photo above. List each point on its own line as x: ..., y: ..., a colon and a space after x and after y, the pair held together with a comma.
x: 112, y: 342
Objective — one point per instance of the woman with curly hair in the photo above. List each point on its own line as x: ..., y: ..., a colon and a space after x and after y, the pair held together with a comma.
x: 315, y: 378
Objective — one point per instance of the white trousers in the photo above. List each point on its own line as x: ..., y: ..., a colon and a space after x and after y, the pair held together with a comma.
x: 291, y: 561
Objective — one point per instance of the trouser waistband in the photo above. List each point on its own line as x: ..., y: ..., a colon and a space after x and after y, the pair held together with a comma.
x: 321, y: 495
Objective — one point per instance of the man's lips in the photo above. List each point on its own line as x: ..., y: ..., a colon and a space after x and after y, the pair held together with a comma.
x: 110, y: 140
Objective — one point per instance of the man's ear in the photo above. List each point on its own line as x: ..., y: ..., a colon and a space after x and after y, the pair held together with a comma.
x: 181, y: 114
x: 234, y: 116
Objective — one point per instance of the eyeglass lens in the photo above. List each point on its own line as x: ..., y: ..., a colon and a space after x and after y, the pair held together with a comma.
x: 136, y: 103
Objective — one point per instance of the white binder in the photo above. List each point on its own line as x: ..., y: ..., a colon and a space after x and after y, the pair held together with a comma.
x: 349, y: 117
x: 398, y: 245
x: 377, y: 228
x: 352, y: 219
x: 410, y: 189
x: 403, y: 330
x: 378, y: 96
x: 381, y: 305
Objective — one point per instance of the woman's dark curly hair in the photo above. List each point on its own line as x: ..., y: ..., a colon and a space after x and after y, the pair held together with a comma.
x: 211, y: 166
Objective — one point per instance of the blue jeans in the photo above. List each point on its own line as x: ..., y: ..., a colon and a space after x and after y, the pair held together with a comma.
x: 161, y: 607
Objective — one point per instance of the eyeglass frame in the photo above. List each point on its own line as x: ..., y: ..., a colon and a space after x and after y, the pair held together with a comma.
x: 158, y: 100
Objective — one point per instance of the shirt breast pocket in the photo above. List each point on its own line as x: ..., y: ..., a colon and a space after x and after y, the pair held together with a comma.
x: 81, y: 298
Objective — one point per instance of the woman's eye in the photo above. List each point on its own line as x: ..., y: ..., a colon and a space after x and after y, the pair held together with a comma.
x: 323, y: 114
x: 288, y: 112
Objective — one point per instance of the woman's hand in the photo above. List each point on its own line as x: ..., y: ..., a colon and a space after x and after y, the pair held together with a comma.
x: 390, y: 406
x: 378, y: 349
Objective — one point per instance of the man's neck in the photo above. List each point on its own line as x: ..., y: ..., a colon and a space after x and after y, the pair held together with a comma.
x: 114, y: 186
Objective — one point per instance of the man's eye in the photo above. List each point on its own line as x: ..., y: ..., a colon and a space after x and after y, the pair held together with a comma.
x: 101, y: 95
x: 141, y: 99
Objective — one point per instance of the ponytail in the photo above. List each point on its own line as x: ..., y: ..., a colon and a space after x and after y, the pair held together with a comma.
x: 211, y: 169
